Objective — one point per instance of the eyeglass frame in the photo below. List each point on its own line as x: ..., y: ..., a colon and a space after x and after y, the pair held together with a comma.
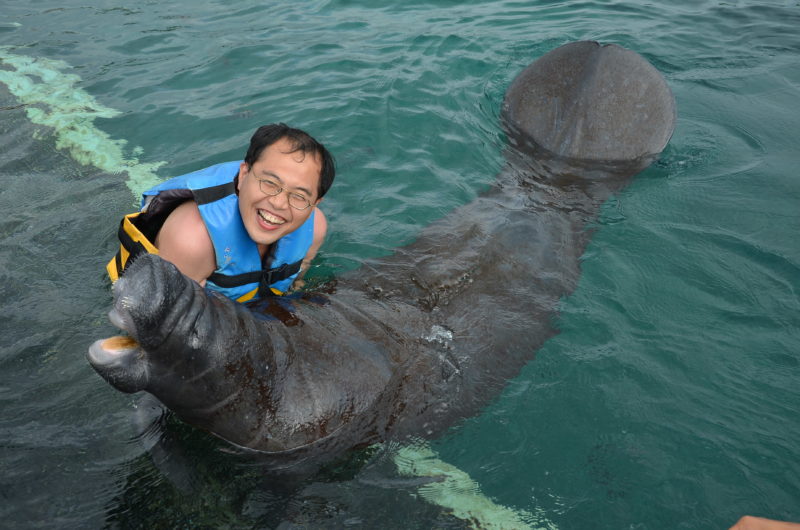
x: 279, y: 190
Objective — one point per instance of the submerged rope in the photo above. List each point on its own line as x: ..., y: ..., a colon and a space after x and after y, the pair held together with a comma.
x: 460, y: 495
x: 54, y: 99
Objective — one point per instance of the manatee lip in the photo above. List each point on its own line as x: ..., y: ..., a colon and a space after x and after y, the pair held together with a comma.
x: 118, y: 360
x: 111, y: 350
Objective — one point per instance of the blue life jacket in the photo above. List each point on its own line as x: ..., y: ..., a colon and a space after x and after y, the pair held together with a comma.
x: 241, y: 273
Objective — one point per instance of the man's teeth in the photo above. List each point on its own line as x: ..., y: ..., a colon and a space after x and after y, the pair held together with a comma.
x: 271, y: 219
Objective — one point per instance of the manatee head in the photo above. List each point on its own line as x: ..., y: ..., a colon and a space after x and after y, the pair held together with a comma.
x: 150, y: 301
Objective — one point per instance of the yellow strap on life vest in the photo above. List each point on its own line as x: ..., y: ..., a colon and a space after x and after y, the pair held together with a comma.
x: 247, y: 296
x: 113, y: 268
x: 250, y: 295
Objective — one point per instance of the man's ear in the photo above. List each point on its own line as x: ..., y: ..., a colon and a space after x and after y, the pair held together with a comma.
x: 244, y: 169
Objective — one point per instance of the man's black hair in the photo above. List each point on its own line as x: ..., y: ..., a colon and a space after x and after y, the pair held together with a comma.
x: 267, y: 135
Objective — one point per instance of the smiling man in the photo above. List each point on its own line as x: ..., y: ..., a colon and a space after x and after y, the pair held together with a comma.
x: 245, y: 229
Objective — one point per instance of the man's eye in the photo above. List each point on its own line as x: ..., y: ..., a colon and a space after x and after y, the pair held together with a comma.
x: 269, y: 183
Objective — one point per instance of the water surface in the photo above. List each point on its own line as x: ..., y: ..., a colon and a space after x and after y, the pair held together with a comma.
x: 669, y: 399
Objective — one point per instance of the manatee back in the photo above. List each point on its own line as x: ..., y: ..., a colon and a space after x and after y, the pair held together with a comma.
x: 591, y: 104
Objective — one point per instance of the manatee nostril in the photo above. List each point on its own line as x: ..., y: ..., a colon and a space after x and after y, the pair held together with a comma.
x: 119, y: 320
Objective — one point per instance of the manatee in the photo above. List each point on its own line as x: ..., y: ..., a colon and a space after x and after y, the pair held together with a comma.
x: 413, y: 342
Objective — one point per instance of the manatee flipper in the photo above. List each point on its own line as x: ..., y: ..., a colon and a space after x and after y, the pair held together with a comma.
x: 164, y: 449
x: 592, y: 104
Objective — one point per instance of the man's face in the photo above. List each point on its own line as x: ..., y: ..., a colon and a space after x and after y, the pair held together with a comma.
x: 266, y: 218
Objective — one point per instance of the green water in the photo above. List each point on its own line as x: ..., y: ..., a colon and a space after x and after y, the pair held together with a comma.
x: 671, y: 397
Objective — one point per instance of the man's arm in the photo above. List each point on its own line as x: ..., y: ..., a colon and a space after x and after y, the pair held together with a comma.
x: 184, y: 241
x: 320, y: 231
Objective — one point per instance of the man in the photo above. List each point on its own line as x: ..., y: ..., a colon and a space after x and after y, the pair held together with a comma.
x: 245, y: 229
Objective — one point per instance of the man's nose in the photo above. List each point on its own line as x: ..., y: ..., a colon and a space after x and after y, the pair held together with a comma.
x: 280, y: 200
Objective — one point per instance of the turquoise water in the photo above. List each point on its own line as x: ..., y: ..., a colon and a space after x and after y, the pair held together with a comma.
x: 671, y: 397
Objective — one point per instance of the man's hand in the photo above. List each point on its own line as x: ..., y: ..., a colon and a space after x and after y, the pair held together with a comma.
x: 748, y: 522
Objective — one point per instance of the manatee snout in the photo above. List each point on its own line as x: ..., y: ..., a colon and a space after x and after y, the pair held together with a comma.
x: 120, y: 361
x: 147, y: 299
x: 144, y: 298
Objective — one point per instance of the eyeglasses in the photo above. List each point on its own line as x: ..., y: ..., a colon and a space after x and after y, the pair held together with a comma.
x: 270, y: 188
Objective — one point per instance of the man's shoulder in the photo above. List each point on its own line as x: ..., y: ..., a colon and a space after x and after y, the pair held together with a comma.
x: 187, y: 213
x: 184, y: 240
x: 319, y: 217
x: 186, y: 230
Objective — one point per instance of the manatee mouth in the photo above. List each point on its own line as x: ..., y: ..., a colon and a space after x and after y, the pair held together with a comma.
x: 107, y: 350
x: 111, y: 350
x: 119, y: 360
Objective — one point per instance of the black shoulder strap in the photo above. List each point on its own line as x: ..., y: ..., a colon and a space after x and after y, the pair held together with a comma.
x: 213, y: 193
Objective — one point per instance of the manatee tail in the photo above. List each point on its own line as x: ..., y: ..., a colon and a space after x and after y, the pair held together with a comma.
x: 594, y: 106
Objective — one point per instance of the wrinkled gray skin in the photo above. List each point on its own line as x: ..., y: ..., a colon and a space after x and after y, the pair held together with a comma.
x: 314, y: 375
